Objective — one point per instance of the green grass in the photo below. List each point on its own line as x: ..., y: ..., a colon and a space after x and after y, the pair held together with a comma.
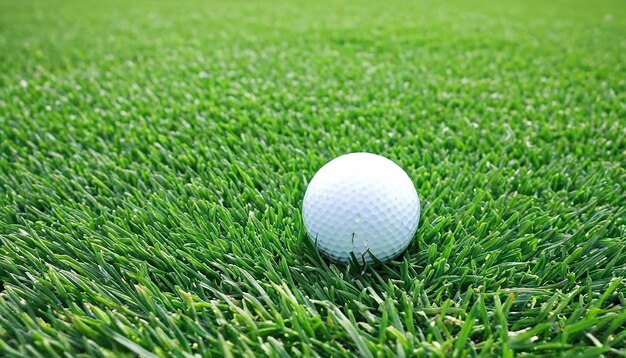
x: 154, y: 156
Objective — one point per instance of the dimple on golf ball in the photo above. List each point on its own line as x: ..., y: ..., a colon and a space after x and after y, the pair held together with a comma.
x: 362, y: 204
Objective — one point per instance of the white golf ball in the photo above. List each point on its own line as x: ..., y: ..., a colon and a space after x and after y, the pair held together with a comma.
x: 362, y: 204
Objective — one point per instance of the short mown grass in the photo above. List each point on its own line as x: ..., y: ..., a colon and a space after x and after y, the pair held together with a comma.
x: 154, y: 156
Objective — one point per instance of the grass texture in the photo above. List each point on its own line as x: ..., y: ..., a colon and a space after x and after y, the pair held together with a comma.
x: 154, y: 157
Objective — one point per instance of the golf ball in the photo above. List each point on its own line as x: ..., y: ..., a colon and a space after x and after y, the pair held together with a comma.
x: 362, y: 204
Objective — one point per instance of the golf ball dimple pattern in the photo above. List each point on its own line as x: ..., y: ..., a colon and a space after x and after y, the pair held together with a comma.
x: 361, y: 203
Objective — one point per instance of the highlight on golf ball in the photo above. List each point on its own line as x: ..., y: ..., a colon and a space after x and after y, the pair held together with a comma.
x: 361, y: 204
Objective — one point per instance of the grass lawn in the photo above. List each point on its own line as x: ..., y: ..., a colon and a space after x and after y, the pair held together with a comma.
x: 154, y: 157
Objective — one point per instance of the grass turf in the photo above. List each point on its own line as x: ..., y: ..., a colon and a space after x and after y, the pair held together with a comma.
x: 153, y: 159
